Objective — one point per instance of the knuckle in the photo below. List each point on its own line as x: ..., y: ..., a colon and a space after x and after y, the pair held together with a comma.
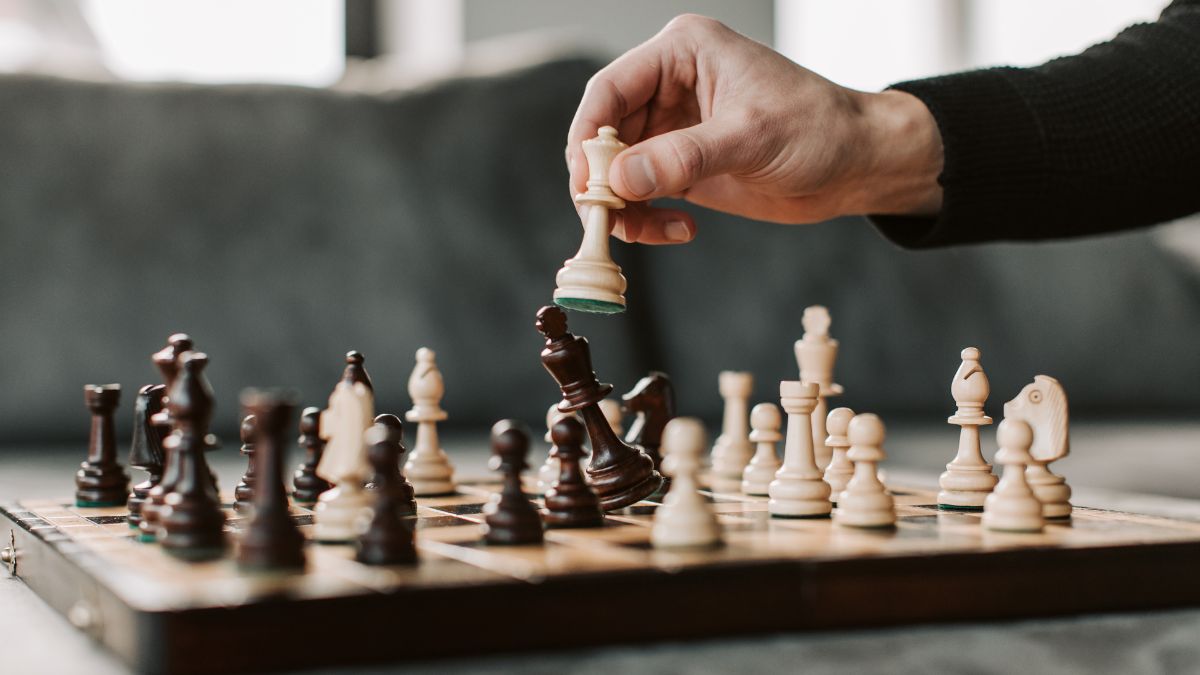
x: 688, y: 153
x: 694, y: 23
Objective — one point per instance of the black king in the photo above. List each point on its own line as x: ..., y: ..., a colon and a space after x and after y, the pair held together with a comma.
x: 620, y: 474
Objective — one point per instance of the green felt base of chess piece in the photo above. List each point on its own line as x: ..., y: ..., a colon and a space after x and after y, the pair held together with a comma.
x: 966, y: 509
x: 84, y: 504
x: 203, y: 554
x: 590, y: 306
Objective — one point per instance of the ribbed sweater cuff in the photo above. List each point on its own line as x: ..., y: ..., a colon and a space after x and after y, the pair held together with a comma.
x: 994, y: 150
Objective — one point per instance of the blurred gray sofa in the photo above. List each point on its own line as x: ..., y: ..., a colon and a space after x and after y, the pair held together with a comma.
x: 283, y: 226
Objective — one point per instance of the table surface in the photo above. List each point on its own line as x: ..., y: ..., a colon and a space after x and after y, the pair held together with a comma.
x: 1144, y: 467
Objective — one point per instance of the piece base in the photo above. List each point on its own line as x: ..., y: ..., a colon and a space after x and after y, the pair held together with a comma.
x: 589, y: 306
x: 803, y: 516
x: 953, y: 507
x: 199, y: 554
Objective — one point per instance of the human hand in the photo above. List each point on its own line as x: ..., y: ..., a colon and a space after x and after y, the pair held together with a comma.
x: 723, y: 121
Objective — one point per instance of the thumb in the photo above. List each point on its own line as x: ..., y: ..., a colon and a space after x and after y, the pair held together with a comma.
x: 671, y: 163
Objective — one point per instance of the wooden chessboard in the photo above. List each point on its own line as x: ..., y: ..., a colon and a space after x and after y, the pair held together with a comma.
x: 585, y: 587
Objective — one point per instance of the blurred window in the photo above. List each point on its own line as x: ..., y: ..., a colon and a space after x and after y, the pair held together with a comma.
x: 280, y: 41
x: 868, y: 44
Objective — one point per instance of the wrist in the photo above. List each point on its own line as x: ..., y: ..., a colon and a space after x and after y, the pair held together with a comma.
x: 902, y: 156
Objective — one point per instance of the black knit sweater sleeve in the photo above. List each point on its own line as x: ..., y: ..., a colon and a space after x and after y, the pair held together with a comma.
x: 1105, y: 140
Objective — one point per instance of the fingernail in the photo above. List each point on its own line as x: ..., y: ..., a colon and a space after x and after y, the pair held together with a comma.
x: 639, y: 175
x: 677, y: 231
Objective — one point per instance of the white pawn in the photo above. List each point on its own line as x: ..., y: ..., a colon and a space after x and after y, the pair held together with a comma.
x: 1012, y: 506
x: 798, y: 490
x: 865, y: 502
x: 341, y: 511
x: 428, y: 468
x: 732, y: 449
x: 548, y: 473
x: 685, y: 519
x: 840, y: 468
x: 816, y: 353
x: 765, y: 421
x: 969, y: 478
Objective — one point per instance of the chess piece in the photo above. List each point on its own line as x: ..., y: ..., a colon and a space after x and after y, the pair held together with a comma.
x: 510, y: 517
x: 548, y: 473
x: 591, y: 281
x: 840, y: 468
x: 766, y: 422
x: 613, y: 415
x: 969, y: 478
x: 428, y: 468
x: 166, y: 360
x: 308, y: 484
x: 865, y: 502
x: 685, y: 519
x: 732, y: 449
x: 355, y: 371
x: 798, y: 490
x: 100, y: 480
x: 1012, y: 506
x: 1043, y: 405
x: 145, y: 451
x: 271, y: 542
x: 243, y: 492
x: 192, y: 526
x: 405, y: 498
x: 390, y: 535
x: 652, y: 400
x: 620, y: 474
x: 340, y: 510
x: 570, y: 502
x: 816, y: 354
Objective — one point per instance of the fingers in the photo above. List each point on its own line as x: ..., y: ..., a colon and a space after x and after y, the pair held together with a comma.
x: 645, y: 224
x: 671, y: 163
x: 619, y: 90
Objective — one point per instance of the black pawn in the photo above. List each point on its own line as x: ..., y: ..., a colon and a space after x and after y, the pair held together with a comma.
x: 403, y: 488
x: 272, y: 542
x: 308, y: 484
x: 355, y: 372
x: 100, y: 480
x: 571, y: 501
x: 167, y: 362
x: 243, y: 492
x: 511, y: 518
x: 145, y: 452
x: 192, y: 523
x: 390, y: 536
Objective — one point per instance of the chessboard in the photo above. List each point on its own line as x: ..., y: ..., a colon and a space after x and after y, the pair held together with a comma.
x: 583, y: 586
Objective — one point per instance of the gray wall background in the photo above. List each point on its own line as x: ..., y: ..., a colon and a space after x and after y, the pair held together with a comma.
x: 283, y: 226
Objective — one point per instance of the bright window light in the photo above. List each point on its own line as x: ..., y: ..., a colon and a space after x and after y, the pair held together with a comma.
x: 279, y: 41
x: 868, y: 44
